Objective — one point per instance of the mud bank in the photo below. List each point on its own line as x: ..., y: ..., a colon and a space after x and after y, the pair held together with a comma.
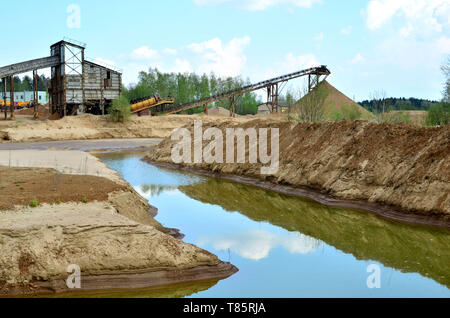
x: 398, y: 171
x: 115, y: 241
x: 100, y: 127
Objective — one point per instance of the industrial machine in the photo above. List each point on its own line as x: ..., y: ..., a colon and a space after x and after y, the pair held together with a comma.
x: 149, y: 104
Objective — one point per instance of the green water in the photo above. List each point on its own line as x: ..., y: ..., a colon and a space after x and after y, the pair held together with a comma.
x: 286, y: 246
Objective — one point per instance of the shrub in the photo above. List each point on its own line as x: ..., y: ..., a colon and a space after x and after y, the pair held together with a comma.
x: 34, y: 203
x: 311, y: 107
x: 85, y: 200
x: 348, y: 112
x: 438, y: 115
x: 351, y: 112
x: 120, y: 110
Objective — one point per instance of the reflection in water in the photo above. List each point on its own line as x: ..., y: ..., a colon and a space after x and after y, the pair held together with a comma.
x: 256, y: 244
x: 285, y: 246
x: 154, y: 189
x: 366, y: 236
x: 171, y: 291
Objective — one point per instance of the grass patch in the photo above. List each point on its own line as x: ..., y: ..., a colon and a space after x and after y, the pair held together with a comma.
x: 34, y: 203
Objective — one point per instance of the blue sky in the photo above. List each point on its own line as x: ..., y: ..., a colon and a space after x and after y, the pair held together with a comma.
x: 393, y: 45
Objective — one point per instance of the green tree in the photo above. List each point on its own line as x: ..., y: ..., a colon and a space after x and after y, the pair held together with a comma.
x: 120, y: 110
x: 311, y: 107
x: 27, y: 83
x: 446, y: 71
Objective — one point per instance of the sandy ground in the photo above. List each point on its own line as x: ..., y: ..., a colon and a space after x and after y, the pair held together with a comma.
x: 99, y: 127
x: 403, y: 167
x: 41, y: 243
x: 86, y: 145
x: 116, y: 242
x: 66, y: 162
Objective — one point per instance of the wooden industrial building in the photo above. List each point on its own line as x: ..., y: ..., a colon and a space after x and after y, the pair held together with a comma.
x: 80, y: 86
x: 77, y: 85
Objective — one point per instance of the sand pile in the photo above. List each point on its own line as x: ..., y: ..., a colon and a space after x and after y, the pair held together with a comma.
x: 336, y: 101
x: 42, y: 110
x: 388, y: 164
x: 219, y: 111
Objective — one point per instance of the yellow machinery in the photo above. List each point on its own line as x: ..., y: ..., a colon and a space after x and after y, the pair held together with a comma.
x: 17, y: 104
x: 149, y: 103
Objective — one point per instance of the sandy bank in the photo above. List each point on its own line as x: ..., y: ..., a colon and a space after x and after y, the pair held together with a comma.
x: 116, y: 242
x: 401, y: 169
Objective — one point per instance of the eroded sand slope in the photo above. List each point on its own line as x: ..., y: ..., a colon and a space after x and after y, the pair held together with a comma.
x: 116, y: 243
x: 390, y: 164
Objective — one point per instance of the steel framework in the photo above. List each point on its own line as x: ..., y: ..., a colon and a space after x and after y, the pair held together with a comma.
x: 271, y: 85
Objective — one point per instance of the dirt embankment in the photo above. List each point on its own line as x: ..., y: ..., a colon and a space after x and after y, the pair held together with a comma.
x: 403, y: 168
x: 111, y: 236
x: 100, y: 127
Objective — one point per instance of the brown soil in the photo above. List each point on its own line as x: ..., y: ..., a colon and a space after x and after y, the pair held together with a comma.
x: 18, y: 186
x: 393, y: 165
x: 42, y: 110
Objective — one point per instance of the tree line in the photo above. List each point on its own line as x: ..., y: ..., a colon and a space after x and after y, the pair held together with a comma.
x: 188, y: 87
x: 393, y: 103
x: 26, y: 84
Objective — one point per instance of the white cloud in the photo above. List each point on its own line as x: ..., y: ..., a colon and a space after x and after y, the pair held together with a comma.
x: 144, y: 53
x: 416, y: 34
x: 257, y: 244
x: 293, y: 63
x: 357, y: 59
x: 422, y: 16
x: 104, y: 62
x: 289, y: 64
x: 258, y: 5
x: 223, y: 59
x: 347, y: 30
x: 182, y: 66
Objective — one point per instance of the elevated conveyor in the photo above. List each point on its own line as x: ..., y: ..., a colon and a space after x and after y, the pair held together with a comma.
x: 28, y: 66
x: 312, y: 73
x: 149, y: 102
